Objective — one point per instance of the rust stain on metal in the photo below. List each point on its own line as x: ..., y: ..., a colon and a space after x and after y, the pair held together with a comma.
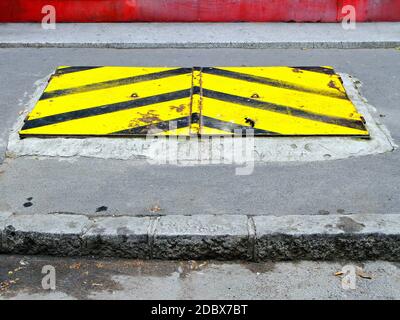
x: 149, y: 117
x: 178, y: 109
x: 333, y: 85
x: 297, y: 70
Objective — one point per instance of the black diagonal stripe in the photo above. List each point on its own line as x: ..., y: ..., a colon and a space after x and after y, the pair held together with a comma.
x: 185, y: 122
x: 161, y: 126
x: 231, y: 127
x: 115, y: 83
x: 272, y: 82
x: 355, y: 124
x: 109, y: 108
x: 67, y: 70
x: 316, y: 69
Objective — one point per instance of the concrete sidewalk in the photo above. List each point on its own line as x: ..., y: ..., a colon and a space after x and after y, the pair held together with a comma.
x: 202, y: 35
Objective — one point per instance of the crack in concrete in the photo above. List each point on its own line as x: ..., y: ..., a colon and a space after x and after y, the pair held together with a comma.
x: 151, y: 233
x: 252, y: 231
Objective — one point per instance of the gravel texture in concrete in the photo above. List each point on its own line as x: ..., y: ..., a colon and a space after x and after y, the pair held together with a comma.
x: 220, y: 237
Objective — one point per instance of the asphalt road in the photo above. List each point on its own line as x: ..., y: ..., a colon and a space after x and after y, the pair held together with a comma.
x: 360, y: 185
x: 21, y: 278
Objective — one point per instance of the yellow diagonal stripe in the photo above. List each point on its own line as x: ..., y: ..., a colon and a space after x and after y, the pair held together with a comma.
x: 117, y: 121
x: 102, y: 97
x: 271, y: 121
x: 305, y: 101
x: 87, y: 77
x: 313, y: 80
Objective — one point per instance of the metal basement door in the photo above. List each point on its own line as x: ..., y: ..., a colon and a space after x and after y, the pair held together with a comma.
x: 139, y: 101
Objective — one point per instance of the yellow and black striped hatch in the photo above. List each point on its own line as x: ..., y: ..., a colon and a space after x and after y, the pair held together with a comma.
x: 140, y: 101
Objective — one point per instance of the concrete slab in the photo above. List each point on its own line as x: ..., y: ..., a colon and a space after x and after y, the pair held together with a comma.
x: 327, y: 237
x: 60, y: 224
x: 126, y: 237
x: 201, y: 35
x: 45, y: 234
x: 218, y: 237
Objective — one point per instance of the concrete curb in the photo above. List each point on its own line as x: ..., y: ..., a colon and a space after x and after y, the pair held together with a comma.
x: 210, y: 45
x: 221, y: 237
x: 201, y: 35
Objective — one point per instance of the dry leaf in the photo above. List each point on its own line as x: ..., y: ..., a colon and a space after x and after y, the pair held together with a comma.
x: 75, y: 266
x: 5, y: 285
x: 360, y: 272
x: 155, y: 208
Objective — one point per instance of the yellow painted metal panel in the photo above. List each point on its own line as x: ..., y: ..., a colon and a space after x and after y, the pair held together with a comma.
x: 275, y: 101
x: 151, y: 118
x: 100, y: 101
x: 138, y: 101
x: 72, y: 77
x: 91, y: 99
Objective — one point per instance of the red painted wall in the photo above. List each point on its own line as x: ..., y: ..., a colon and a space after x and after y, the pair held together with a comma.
x: 373, y: 10
x: 198, y: 10
x: 237, y: 10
